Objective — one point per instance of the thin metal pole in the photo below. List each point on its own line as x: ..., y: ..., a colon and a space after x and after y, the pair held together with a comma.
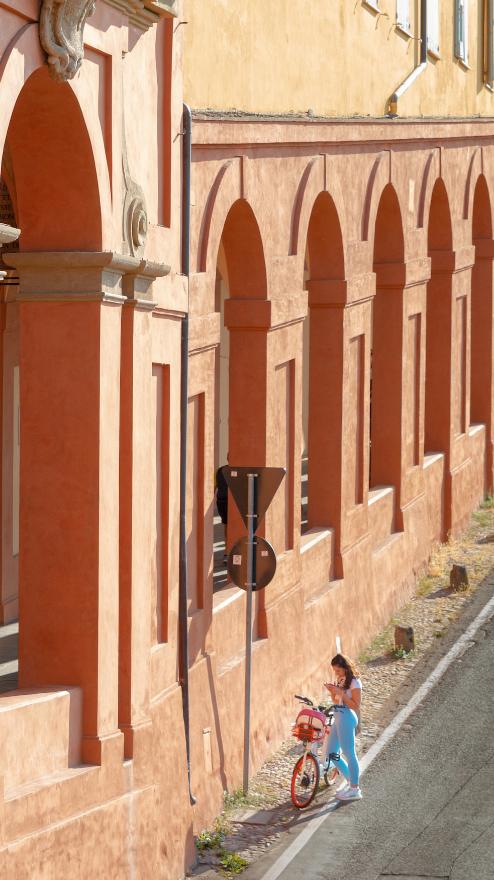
x: 251, y: 580
x: 184, y: 396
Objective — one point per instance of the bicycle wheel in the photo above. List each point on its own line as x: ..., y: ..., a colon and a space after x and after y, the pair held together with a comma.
x: 331, y: 775
x: 305, y: 780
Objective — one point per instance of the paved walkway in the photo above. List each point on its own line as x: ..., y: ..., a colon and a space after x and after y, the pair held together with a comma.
x: 438, y: 617
x: 428, y: 809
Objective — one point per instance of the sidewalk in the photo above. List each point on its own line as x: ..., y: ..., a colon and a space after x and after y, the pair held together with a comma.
x: 249, y: 827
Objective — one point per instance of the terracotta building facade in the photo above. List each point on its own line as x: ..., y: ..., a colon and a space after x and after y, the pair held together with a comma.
x: 333, y: 280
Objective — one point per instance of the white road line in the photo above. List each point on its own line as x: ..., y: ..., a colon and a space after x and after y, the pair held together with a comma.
x: 313, y: 824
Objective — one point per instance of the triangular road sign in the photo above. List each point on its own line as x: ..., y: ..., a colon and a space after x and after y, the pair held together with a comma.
x: 267, y: 482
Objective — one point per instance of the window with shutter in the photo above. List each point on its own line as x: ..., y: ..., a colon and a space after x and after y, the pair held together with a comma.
x: 403, y: 14
x: 461, y: 29
x: 488, y: 43
x: 433, y: 26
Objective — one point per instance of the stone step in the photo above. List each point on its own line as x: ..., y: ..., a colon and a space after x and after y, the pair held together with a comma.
x: 9, y: 642
x: 43, y: 802
x: 40, y: 734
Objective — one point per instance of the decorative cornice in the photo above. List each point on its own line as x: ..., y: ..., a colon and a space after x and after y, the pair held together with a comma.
x: 83, y: 276
x: 61, y: 33
x: 144, y: 13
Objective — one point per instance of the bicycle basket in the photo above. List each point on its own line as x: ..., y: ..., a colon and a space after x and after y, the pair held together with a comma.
x: 309, y: 726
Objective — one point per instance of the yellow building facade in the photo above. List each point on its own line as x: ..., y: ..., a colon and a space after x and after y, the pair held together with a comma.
x: 338, y: 57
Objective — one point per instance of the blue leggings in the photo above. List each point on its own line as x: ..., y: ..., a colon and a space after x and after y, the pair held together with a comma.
x: 342, y: 737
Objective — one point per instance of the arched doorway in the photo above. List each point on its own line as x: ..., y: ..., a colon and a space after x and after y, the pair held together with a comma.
x: 322, y: 359
x: 438, y: 356
x: 321, y: 404
x: 439, y: 317
x: 240, y: 380
x: 386, y: 417
x: 67, y: 309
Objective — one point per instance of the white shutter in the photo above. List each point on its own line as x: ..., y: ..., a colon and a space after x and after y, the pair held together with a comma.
x: 461, y: 29
x: 433, y: 26
x: 489, y: 61
x: 403, y: 14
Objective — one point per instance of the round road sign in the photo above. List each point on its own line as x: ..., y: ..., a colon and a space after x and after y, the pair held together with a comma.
x: 265, y: 563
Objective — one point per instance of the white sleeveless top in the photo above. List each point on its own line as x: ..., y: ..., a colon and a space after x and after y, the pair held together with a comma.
x: 355, y: 684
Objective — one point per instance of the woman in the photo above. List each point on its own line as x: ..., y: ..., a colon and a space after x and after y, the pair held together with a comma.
x: 346, y: 695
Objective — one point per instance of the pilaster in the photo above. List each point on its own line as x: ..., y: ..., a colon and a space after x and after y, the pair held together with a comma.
x: 447, y: 381
x: 136, y: 462
x: 340, y: 338
x: 482, y: 353
x: 70, y: 311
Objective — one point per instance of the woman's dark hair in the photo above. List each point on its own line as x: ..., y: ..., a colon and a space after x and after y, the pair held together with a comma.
x: 348, y: 665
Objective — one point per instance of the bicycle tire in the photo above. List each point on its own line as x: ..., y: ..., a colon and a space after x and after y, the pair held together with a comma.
x: 330, y: 776
x: 304, y: 786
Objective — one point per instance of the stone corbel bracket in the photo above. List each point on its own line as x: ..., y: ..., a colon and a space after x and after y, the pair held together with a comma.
x: 61, y: 33
x: 138, y: 279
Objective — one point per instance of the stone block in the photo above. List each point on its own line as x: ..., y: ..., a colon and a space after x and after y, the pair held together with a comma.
x: 404, y: 638
x: 458, y: 578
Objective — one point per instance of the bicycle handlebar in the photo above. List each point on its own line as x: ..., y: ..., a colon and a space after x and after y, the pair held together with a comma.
x: 325, y: 709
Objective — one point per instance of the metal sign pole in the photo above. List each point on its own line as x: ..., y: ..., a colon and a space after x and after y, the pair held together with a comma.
x: 251, y: 581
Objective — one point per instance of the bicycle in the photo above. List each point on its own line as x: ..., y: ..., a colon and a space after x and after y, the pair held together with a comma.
x: 313, y: 726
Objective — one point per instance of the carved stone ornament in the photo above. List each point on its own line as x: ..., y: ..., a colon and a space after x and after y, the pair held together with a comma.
x: 136, y: 221
x: 61, y: 33
x: 135, y: 218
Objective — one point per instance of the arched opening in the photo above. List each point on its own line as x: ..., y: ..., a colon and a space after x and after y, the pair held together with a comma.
x: 438, y: 324
x: 240, y: 417
x: 481, y: 368
x: 48, y: 189
x: 51, y: 169
x: 9, y: 456
x: 324, y: 272
x: 386, y: 380
x: 61, y: 362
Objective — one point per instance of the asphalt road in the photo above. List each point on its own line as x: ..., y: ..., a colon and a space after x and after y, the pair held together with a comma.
x: 428, y: 806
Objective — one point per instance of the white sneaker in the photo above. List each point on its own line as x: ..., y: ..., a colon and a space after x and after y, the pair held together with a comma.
x: 343, y: 787
x: 349, y: 794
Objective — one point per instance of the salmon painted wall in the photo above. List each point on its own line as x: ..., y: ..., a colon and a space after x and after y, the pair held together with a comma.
x: 97, y: 338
